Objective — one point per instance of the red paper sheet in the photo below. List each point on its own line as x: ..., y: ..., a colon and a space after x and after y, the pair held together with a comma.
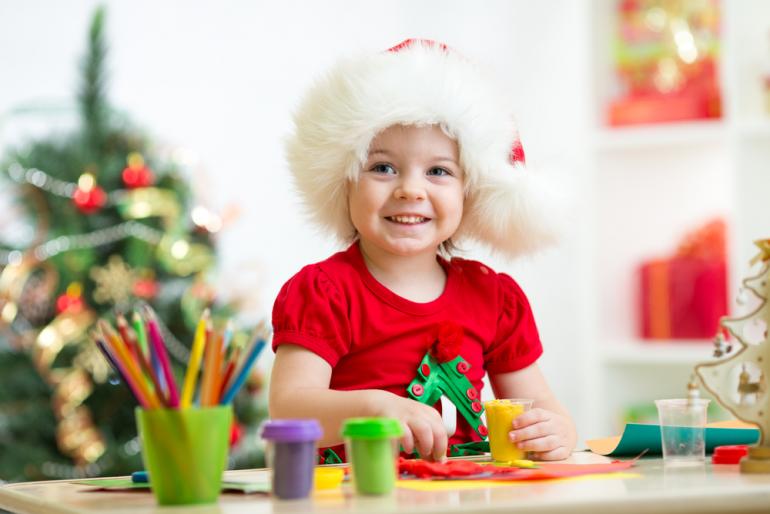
x: 467, y: 470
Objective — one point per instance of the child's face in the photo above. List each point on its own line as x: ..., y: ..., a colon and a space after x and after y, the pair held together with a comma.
x: 409, y: 196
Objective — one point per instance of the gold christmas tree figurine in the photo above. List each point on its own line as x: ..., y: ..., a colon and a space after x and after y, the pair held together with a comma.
x: 738, y: 381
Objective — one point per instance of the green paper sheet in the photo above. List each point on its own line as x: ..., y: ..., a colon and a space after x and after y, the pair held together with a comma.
x: 639, y: 437
x: 126, y: 483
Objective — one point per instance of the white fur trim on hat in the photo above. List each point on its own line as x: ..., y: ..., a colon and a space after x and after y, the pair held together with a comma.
x: 418, y: 84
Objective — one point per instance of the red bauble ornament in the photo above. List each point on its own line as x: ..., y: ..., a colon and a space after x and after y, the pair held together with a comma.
x: 88, y: 197
x: 145, y: 288
x: 68, y: 303
x: 136, y: 173
x: 71, y: 300
x: 141, y: 177
x: 236, y: 433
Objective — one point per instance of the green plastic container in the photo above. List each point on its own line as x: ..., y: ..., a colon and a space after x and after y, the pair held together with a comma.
x: 185, y: 452
x: 371, y: 445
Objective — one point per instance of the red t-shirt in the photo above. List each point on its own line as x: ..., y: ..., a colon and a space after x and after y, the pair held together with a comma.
x: 374, y: 339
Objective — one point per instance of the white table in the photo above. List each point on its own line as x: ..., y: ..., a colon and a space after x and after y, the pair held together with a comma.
x: 650, y: 487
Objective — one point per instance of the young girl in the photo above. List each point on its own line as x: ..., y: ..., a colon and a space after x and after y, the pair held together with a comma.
x: 402, y: 155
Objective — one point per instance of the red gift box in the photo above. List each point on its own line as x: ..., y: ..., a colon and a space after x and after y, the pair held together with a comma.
x: 660, y: 108
x: 684, y: 296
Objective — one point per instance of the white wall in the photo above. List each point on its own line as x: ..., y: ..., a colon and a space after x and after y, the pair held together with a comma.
x: 219, y: 81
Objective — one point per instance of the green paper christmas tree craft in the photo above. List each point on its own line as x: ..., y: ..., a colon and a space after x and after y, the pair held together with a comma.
x: 442, y: 372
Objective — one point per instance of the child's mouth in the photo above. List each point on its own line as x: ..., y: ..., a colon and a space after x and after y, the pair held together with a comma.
x: 407, y: 220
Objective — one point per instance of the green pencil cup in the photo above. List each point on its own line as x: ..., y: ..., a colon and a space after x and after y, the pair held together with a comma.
x: 185, y: 452
x: 371, y: 445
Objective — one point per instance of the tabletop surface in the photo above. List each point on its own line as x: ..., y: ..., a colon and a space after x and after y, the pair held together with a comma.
x: 648, y: 487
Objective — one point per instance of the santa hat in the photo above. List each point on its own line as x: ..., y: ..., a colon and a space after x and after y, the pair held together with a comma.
x: 418, y: 83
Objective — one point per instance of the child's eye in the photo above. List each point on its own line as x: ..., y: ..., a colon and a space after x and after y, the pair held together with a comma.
x: 439, y: 172
x: 385, y: 169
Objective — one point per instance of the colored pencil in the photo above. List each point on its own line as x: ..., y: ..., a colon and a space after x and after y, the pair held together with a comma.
x: 152, y: 354
x: 111, y: 360
x: 194, y: 364
x: 151, y: 364
x: 209, y: 372
x: 228, y: 336
x: 232, y: 360
x: 216, y: 375
x: 144, y: 396
x: 141, y: 335
x: 147, y: 372
x: 131, y: 368
x: 243, y: 372
x: 140, y: 399
x: 226, y: 366
x: 159, y: 349
x: 127, y: 337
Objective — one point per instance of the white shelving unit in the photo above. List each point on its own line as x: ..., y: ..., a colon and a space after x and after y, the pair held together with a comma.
x: 655, y: 353
x: 651, y: 184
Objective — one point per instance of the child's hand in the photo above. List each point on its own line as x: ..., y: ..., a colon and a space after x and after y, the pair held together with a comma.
x: 544, y: 433
x: 423, y: 426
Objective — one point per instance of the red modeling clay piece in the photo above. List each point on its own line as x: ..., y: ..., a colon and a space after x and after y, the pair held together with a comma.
x: 474, y: 471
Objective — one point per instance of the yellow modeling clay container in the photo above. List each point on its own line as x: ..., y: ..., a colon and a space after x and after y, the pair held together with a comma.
x: 328, y: 478
x: 500, y: 416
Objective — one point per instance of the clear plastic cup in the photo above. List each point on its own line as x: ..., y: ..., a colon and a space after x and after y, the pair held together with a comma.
x: 682, y: 430
x: 500, y: 416
x: 371, y: 445
x: 185, y: 452
x: 291, y: 455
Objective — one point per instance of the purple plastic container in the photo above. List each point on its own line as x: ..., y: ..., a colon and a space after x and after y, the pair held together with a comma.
x: 291, y: 454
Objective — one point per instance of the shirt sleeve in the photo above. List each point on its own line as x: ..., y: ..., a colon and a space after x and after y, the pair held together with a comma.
x: 517, y: 342
x: 311, y: 312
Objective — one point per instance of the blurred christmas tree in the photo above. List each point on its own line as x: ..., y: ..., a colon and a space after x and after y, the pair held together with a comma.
x: 111, y: 221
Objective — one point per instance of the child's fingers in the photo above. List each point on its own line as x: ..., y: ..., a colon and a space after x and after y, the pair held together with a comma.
x: 423, y: 435
x: 407, y: 440
x: 559, y: 453
x: 429, y: 436
x: 440, y: 442
x: 529, y: 432
x: 541, y: 444
x: 531, y: 417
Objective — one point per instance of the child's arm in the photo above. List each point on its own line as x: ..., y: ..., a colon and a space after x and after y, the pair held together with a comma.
x: 299, y: 388
x: 547, y: 430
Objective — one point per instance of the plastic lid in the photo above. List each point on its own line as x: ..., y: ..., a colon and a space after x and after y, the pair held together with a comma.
x: 291, y: 430
x: 729, y: 454
x: 372, y: 428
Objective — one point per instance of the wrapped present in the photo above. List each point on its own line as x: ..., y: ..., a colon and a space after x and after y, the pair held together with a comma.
x: 685, y: 295
x: 666, y: 59
x: 660, y: 108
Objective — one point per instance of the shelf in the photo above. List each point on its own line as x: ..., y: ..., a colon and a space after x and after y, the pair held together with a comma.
x: 758, y: 128
x: 658, y: 352
x: 660, y: 135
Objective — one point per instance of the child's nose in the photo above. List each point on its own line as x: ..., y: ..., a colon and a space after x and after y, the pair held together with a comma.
x: 410, y: 188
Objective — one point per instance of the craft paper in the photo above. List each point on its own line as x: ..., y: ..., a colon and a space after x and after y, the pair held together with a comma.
x: 638, y: 437
x: 455, y: 485
x: 126, y: 483
x: 489, y: 472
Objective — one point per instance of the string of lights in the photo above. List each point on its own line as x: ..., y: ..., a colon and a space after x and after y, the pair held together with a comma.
x: 42, y: 180
x: 95, y: 239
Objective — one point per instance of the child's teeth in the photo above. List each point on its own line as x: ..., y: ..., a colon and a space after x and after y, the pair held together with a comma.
x: 409, y: 219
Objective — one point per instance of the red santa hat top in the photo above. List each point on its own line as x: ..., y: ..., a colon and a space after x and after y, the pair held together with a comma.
x: 416, y: 83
